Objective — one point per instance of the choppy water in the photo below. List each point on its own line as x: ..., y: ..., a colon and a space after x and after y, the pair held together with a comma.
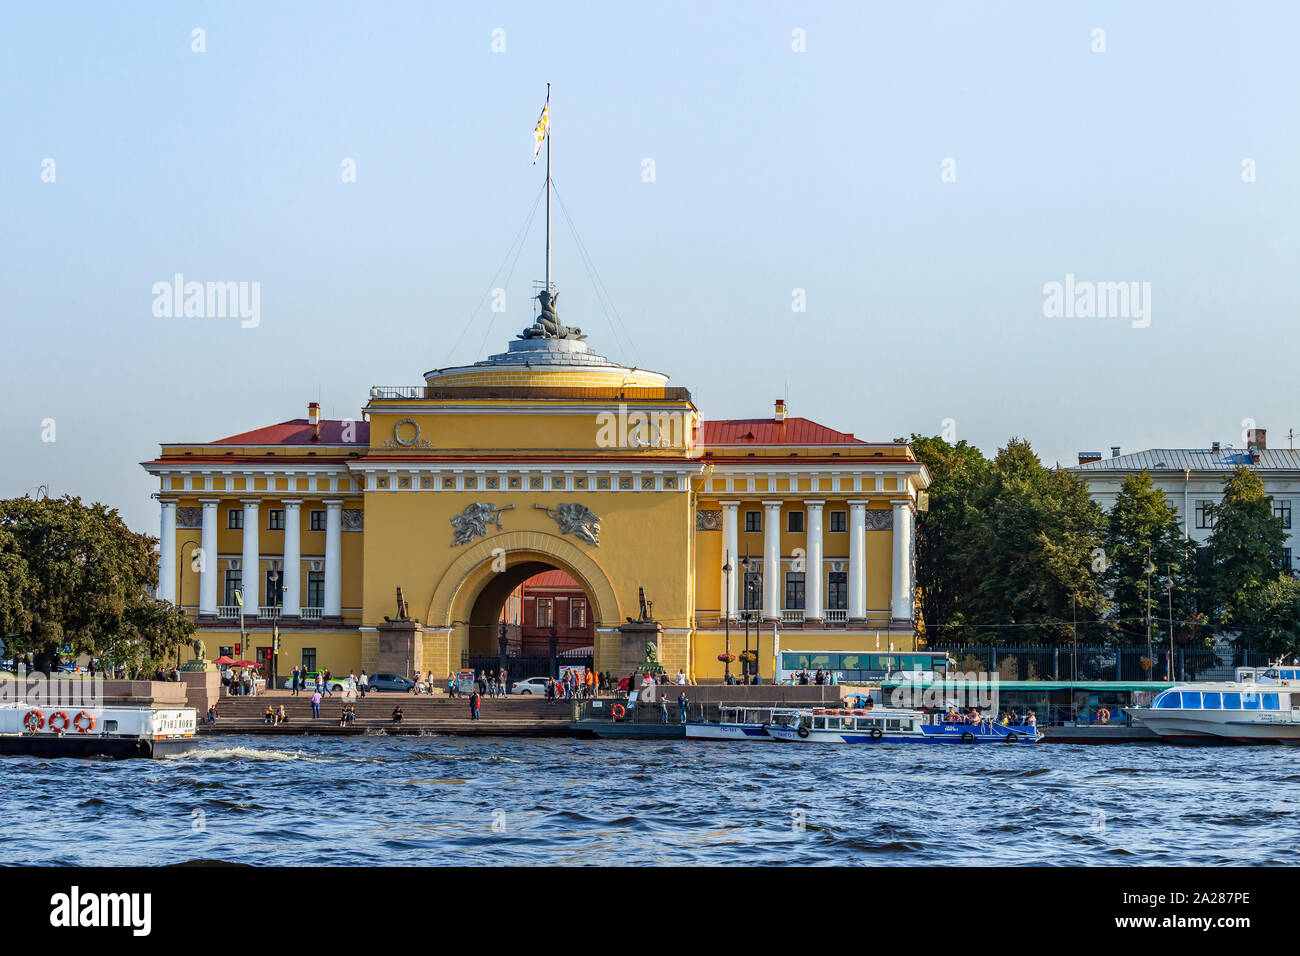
x: 437, y: 800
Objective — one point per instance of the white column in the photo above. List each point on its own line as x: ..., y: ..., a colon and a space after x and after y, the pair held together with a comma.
x: 251, y: 565
x: 772, y: 559
x: 730, y: 545
x: 857, y: 561
x: 208, y: 559
x: 292, y: 570
x: 333, y: 559
x: 167, y: 551
x: 813, y: 572
x: 902, y: 602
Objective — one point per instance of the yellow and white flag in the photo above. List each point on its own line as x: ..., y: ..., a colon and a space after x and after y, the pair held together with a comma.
x: 543, y: 126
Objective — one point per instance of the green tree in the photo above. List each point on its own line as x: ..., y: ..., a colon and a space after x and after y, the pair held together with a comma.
x: 957, y: 473
x: 1244, y: 548
x: 1143, y: 525
x: 1269, y: 617
x: 1029, y: 551
x: 85, y: 580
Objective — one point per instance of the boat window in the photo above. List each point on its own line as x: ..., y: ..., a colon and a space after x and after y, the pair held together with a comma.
x: 1212, y: 701
x: 819, y: 723
x: 1232, y: 702
x: 1268, y: 701
x: 1169, y: 700
x: 1288, y: 675
x: 893, y: 724
x: 1250, y: 701
x: 1191, y: 700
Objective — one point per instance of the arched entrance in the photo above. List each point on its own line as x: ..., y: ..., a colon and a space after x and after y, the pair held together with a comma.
x: 467, y: 602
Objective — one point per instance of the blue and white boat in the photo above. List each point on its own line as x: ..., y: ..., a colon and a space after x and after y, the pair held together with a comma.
x: 887, y: 725
x: 735, y: 723
x: 1226, y: 712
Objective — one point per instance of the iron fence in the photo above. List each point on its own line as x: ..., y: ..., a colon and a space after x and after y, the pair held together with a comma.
x: 1100, y: 662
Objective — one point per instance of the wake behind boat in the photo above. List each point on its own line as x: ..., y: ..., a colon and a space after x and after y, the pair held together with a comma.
x: 825, y: 726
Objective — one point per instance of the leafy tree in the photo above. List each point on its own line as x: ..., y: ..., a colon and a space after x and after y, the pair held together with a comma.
x: 1143, y: 525
x: 1029, y: 551
x: 1244, y: 548
x: 84, y: 578
x: 1269, y: 617
x: 957, y: 473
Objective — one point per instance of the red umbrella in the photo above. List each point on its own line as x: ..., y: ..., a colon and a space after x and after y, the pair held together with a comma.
x: 252, y: 664
x: 224, y: 661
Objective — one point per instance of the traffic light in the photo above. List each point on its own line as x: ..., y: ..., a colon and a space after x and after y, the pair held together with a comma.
x: 238, y: 650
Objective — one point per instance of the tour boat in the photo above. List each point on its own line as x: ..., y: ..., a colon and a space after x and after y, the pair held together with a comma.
x: 110, y: 731
x: 1222, y: 712
x: 736, y: 723
x: 889, y: 725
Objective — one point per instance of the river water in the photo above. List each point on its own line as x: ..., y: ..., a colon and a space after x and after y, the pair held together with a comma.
x: 474, y: 801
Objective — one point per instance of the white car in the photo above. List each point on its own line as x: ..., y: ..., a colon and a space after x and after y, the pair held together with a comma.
x: 338, y: 685
x: 529, y: 685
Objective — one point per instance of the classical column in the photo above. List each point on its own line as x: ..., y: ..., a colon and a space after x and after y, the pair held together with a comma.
x: 857, y: 562
x: 902, y: 602
x: 208, y: 559
x: 292, y: 570
x: 167, y: 551
x: 333, y: 559
x: 730, y: 545
x: 813, y: 572
x: 251, y: 565
x: 772, y: 560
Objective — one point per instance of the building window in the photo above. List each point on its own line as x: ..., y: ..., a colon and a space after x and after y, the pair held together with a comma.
x: 578, y: 613
x: 751, y: 598
x: 839, y: 521
x: 753, y: 521
x: 1282, y: 511
x: 1286, y: 559
x: 794, y: 522
x: 235, y: 519
x: 837, y: 591
x: 274, y: 588
x: 545, y: 612
x: 315, y: 588
x: 1204, y: 513
x: 233, y: 581
x: 309, y: 658
x: 317, y: 521
x: 794, y: 590
x: 275, y: 519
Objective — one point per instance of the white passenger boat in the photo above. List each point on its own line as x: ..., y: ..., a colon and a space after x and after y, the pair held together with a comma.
x: 95, y: 731
x: 889, y: 725
x: 1252, y: 712
x: 735, y: 723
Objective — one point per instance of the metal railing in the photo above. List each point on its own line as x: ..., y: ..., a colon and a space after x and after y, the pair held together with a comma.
x: 1093, y: 662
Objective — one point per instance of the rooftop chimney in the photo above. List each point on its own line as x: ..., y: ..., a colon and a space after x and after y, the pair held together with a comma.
x: 1214, y: 447
x: 313, y: 419
x: 780, y: 410
x: 1087, y: 456
x: 1114, y: 451
x: 1255, y: 438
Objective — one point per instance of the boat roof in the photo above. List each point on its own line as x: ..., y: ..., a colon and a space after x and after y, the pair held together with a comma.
x: 1045, y: 685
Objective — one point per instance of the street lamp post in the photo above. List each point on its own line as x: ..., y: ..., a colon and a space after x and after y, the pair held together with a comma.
x: 726, y: 624
x: 1150, y: 569
x: 1169, y: 586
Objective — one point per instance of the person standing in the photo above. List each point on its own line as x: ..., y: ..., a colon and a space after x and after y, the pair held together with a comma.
x: 363, y: 682
x: 682, y: 701
x: 323, y: 683
x: 505, y: 688
x: 293, y: 682
x: 315, y: 704
x: 474, y: 701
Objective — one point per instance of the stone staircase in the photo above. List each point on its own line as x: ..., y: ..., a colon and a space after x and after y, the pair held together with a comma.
x: 515, y: 716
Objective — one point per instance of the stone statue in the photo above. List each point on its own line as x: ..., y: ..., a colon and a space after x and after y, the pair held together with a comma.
x: 401, y: 606
x: 575, y: 519
x: 200, y: 650
x: 547, y: 324
x: 473, y: 521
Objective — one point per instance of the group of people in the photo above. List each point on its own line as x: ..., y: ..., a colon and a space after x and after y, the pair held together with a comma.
x: 238, y: 682
x: 820, y: 678
x: 275, y: 715
x: 486, y: 683
x: 1004, y: 719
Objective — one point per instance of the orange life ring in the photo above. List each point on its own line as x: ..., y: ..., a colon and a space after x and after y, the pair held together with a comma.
x: 617, y: 711
x: 1103, y: 716
x: 84, y: 722
x: 62, y: 718
x: 33, y: 720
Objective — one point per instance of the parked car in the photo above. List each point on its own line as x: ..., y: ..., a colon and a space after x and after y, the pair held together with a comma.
x: 337, y: 684
x: 529, y: 685
x: 394, y: 682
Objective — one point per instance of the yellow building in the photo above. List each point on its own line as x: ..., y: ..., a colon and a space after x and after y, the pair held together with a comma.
x: 545, y: 456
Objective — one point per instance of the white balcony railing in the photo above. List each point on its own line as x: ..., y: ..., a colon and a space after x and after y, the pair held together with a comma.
x: 836, y: 616
x: 228, y: 610
x: 268, y: 611
x: 311, y: 613
x: 792, y: 616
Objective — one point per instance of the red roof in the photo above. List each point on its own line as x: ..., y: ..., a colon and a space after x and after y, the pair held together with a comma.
x: 767, y: 431
x: 552, y: 579
x: 298, y: 432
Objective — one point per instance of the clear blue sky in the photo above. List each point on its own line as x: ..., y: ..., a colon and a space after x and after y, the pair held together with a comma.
x: 775, y: 170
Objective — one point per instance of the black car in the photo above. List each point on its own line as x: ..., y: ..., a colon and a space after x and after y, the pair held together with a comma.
x: 389, y: 682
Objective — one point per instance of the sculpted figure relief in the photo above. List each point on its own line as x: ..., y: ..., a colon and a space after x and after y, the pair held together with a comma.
x: 473, y: 521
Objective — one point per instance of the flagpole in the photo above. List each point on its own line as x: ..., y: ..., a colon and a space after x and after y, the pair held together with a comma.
x: 548, y: 189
